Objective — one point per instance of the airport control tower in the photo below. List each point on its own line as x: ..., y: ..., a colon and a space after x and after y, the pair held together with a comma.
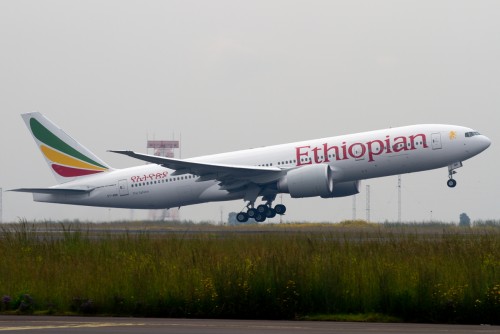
x: 164, y: 148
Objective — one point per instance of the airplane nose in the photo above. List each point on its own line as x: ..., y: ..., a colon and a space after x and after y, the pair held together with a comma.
x: 485, y: 142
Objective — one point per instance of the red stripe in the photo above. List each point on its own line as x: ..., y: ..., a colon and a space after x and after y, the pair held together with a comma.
x: 72, y: 172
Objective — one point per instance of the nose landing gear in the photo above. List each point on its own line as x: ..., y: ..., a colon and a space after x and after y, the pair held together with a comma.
x: 451, y: 170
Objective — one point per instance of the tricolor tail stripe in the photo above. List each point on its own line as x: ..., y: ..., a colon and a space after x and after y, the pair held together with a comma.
x: 65, y: 160
x: 49, y: 139
x: 72, y: 172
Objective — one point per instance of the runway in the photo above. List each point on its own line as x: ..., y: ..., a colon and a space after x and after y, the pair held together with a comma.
x: 105, y: 325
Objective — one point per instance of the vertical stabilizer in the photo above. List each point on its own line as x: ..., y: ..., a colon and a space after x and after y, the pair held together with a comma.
x: 67, y: 158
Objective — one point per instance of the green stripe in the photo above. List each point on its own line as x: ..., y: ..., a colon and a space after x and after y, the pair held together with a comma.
x: 50, y: 139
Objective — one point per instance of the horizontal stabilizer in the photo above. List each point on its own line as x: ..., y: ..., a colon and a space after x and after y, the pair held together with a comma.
x: 53, y: 191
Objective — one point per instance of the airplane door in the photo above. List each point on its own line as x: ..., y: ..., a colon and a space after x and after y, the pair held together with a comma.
x: 436, y: 141
x: 123, y: 187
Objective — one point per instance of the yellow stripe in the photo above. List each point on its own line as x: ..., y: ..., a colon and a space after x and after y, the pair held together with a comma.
x: 66, y: 160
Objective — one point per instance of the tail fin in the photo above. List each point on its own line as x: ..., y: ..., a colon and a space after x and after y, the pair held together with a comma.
x: 67, y: 158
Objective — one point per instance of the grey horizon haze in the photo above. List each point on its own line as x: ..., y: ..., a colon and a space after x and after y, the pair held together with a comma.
x: 232, y: 75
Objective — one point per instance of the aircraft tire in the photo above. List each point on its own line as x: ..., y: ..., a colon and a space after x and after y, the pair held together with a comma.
x: 252, y: 213
x: 262, y: 208
x: 260, y: 217
x: 280, y: 209
x: 451, y: 183
x: 242, y: 217
x: 271, y: 213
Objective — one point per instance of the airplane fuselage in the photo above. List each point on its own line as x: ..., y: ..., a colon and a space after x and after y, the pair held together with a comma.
x: 351, y: 157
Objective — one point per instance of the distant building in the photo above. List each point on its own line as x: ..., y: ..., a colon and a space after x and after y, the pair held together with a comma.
x: 464, y: 220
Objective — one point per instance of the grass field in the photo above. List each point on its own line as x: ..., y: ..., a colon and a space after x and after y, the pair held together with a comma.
x: 343, y: 271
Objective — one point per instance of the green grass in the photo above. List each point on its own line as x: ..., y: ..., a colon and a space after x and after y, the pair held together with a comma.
x: 345, y: 272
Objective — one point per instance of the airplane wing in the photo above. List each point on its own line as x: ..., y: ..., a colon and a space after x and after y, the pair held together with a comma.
x: 229, y: 175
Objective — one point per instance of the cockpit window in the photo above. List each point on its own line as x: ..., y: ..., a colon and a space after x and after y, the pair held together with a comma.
x: 472, y: 134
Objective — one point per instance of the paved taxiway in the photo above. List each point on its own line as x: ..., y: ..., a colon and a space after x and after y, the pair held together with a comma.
x: 105, y: 325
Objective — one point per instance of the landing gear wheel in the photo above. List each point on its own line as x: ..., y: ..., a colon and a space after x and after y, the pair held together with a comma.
x: 252, y: 213
x: 242, y: 217
x: 280, y: 209
x: 271, y: 213
x: 451, y: 183
x: 262, y: 209
x: 260, y: 217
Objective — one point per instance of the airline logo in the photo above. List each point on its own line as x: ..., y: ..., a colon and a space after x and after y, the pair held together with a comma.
x: 65, y: 160
x: 373, y: 148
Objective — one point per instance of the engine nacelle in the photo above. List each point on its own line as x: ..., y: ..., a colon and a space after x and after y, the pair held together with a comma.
x: 343, y: 189
x: 308, y: 181
x: 315, y: 180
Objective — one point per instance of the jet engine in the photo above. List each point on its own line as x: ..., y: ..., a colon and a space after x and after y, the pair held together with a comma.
x: 315, y: 180
x: 308, y: 181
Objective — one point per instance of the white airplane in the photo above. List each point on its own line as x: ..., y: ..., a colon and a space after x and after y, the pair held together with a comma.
x: 327, y: 167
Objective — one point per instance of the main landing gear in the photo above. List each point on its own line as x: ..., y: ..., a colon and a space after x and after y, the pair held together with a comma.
x: 261, y: 213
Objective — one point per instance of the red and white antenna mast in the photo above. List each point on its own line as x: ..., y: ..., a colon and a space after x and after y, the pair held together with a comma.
x: 164, y: 148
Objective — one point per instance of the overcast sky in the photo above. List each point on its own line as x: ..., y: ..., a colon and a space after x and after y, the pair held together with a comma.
x: 231, y: 75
